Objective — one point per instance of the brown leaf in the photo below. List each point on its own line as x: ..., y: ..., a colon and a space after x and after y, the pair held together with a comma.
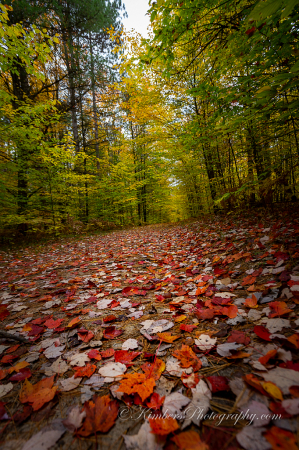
x: 100, y: 415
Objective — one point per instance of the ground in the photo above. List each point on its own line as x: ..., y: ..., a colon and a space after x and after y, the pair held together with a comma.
x: 175, y: 337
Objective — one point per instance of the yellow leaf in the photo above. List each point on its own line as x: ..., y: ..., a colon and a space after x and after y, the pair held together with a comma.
x: 272, y: 389
x: 180, y: 318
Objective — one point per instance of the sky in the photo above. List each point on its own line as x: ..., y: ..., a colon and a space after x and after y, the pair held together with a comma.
x: 137, y: 19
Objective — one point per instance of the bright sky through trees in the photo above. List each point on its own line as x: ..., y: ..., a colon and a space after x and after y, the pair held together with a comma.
x: 137, y: 17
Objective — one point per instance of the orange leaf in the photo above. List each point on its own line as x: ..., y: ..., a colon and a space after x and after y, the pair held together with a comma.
x: 100, y: 415
x: 167, y: 337
x: 294, y: 339
x: 251, y: 288
x: 38, y: 394
x: 264, y: 359
x: 248, y: 280
x: 187, y: 357
x: 20, y: 365
x: 278, y: 309
x: 251, y: 302
x: 154, y: 370
x: 12, y: 349
x: 189, y: 440
x: 281, y: 439
x: 230, y: 311
x: 3, y: 373
x: 137, y: 382
x: 73, y: 322
x: 254, y: 382
x: 86, y: 371
x: 200, y: 291
x: 239, y: 354
x: 164, y: 426
x: 272, y: 389
x: 107, y: 353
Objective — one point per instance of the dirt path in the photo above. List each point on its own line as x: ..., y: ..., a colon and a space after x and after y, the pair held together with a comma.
x: 171, y: 324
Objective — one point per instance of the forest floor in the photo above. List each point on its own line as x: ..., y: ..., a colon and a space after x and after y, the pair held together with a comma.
x: 174, y: 337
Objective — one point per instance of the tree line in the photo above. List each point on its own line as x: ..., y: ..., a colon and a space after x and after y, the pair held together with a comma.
x: 102, y: 127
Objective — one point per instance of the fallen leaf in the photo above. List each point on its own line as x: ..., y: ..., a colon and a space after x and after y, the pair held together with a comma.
x: 180, y: 318
x: 53, y: 351
x: 188, y: 328
x: 187, y: 357
x: 130, y: 344
x: 107, y: 353
x: 154, y: 370
x: 145, y: 439
x: 155, y: 402
x: 125, y: 357
x: 20, y: 416
x: 46, y: 437
x: 167, y: 337
x: 262, y: 332
x: 251, y: 438
x: 282, y: 378
x: 278, y: 309
x: 69, y: 384
x: 239, y: 337
x: 5, y: 389
x: 85, y: 335
x: 50, y: 323
x: 174, y: 368
x: 200, y: 402
x: 174, y: 403
x: 272, y: 390
x: 19, y: 366
x: 73, y: 322
x: 58, y: 366
x: 251, y: 302
x: 74, y: 418
x: 79, y: 359
x: 86, y: 371
x: 137, y: 383
x: 190, y: 381
x: 111, y: 332
x: 163, y: 426
x: 294, y: 339
x: 205, y: 342
x: 230, y: 311
x: 281, y: 439
x: 189, y: 440
x: 100, y: 416
x: 225, y: 349
x: 21, y: 375
x: 38, y: 394
x: 269, y: 355
x: 96, y: 381
x: 112, y: 370
x: 94, y: 354
x: 217, y: 383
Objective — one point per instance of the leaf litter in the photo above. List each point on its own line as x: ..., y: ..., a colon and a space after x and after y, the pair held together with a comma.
x: 181, y: 323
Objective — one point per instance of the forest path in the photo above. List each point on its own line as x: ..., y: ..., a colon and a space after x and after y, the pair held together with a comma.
x: 181, y: 312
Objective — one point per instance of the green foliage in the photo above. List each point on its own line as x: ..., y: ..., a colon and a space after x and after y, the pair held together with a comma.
x: 101, y: 129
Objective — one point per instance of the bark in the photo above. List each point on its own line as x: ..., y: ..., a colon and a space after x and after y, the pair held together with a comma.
x: 94, y: 107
